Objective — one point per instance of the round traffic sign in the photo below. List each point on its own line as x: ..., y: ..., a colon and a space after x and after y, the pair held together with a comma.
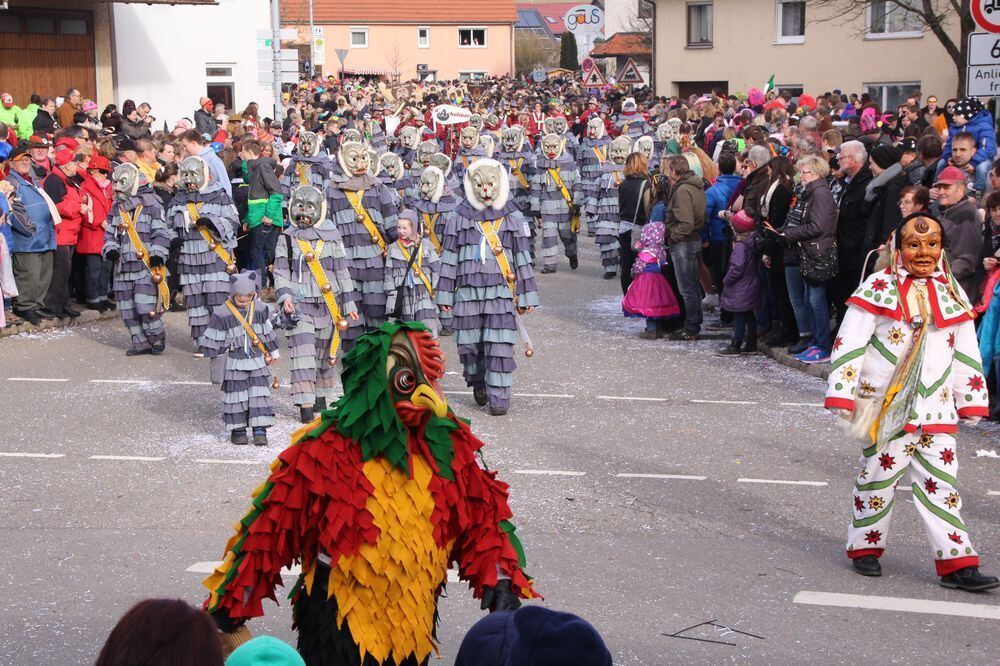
x: 587, y: 64
x: 986, y: 14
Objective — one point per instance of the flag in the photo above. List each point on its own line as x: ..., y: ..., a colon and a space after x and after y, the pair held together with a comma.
x: 769, y: 86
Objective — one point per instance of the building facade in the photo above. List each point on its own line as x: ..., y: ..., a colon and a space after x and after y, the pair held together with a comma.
x: 739, y: 44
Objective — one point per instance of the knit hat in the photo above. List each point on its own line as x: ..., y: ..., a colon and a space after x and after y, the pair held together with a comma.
x: 968, y: 107
x: 551, y: 638
x: 183, y: 124
x: 628, y: 104
x: 205, y: 103
x: 885, y: 156
x: 487, y: 643
x: 265, y: 651
x: 5, y: 151
x: 742, y: 223
x: 89, y: 105
x: 243, y: 283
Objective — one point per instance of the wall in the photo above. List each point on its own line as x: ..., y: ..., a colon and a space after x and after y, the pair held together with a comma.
x: 832, y: 56
x: 161, y: 53
x: 444, y: 54
x: 620, y: 16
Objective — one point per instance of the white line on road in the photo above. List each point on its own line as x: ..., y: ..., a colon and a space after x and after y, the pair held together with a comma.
x: 139, y: 458
x: 724, y: 402
x: 457, y: 392
x: 898, y: 604
x: 993, y: 492
x: 191, y: 383
x: 548, y: 472
x: 543, y: 395
x: 37, y: 379
x: 214, y: 461
x: 801, y: 404
x: 682, y: 477
x: 11, y: 454
x: 629, y: 397
x: 120, y: 381
x: 783, y: 482
x: 294, y: 570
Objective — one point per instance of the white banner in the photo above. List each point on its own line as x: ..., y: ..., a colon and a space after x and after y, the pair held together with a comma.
x: 447, y: 114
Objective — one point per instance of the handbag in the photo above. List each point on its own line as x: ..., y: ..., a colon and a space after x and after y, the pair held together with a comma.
x: 818, y: 266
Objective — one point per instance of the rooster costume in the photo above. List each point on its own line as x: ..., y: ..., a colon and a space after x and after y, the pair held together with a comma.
x: 375, y: 499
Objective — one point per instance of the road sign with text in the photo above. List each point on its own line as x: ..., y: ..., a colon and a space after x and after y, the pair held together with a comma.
x: 982, y: 76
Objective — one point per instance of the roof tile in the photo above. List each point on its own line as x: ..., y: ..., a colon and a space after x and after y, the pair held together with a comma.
x: 416, y: 12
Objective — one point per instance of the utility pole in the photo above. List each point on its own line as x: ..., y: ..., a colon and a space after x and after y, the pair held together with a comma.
x: 312, y: 41
x: 276, y: 56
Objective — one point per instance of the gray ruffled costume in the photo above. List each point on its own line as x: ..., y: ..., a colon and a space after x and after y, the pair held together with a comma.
x: 315, y: 171
x: 548, y: 203
x: 604, y: 209
x: 417, y: 304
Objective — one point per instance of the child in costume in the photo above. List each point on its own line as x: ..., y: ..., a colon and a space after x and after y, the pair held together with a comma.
x: 242, y: 344
x: 649, y: 295
x: 412, y: 267
x: 905, y: 370
x: 137, y: 243
x: 741, y: 293
x: 555, y: 195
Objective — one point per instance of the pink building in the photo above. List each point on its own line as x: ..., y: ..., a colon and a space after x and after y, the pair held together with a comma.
x: 433, y: 39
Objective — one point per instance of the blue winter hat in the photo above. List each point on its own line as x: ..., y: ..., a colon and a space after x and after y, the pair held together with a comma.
x: 488, y: 641
x: 5, y: 150
x: 551, y: 638
x: 216, y: 147
x: 265, y: 651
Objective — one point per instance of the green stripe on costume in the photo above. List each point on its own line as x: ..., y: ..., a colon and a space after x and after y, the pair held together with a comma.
x: 871, y: 520
x: 882, y: 349
x: 848, y: 356
x: 880, y: 485
x: 932, y: 389
x: 969, y: 361
x: 934, y: 471
x: 936, y: 510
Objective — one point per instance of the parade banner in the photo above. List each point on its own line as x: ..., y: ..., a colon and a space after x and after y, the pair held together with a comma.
x: 448, y: 114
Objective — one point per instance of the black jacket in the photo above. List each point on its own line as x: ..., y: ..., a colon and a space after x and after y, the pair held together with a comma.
x: 852, y: 223
x: 263, y: 180
x: 630, y: 206
x: 205, y: 123
x: 44, y: 123
x: 885, y: 215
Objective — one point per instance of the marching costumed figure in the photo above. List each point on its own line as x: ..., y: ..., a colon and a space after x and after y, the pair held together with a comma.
x: 306, y: 166
x: 487, y: 283
x: 435, y: 208
x: 394, y: 176
x: 412, y: 267
x: 317, y: 298
x: 519, y: 160
x: 374, y: 500
x: 667, y: 142
x: 137, y: 242
x: 905, y: 369
x: 452, y: 184
x: 555, y: 191
x: 204, y: 224
x: 242, y: 343
x: 406, y: 146
x: 592, y: 156
x: 375, y: 136
x: 364, y: 212
x: 468, y: 151
x: 558, y: 125
x: 644, y: 145
x: 425, y: 150
x: 603, y: 208
x: 630, y: 122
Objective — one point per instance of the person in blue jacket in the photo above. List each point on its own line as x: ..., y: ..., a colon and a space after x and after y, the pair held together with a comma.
x: 715, y: 232
x: 972, y: 117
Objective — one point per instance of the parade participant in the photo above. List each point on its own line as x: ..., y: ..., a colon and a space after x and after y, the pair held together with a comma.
x: 555, y: 191
x: 520, y: 162
x: 488, y: 145
x: 425, y: 150
x: 667, y: 141
x: 602, y: 209
x: 317, y: 297
x: 306, y: 166
x: 591, y: 158
x: 908, y: 327
x: 451, y: 182
x: 561, y: 127
x: 468, y: 151
x: 374, y: 135
x: 630, y: 122
x: 645, y: 147
x: 493, y: 125
x: 241, y: 342
x: 396, y: 178
x: 395, y: 476
x: 364, y: 212
x: 137, y: 242
x: 412, y: 267
x: 406, y: 146
x: 477, y: 122
x: 487, y: 296
x: 203, y: 227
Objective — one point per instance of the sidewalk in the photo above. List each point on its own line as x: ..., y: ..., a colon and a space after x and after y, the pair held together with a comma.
x: 86, y: 317
x: 781, y: 355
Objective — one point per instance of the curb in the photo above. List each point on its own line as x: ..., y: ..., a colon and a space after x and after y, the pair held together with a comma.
x: 819, y: 370
x: 86, y: 317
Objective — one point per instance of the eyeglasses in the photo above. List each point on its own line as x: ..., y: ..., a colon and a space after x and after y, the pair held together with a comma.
x: 931, y: 100
x: 950, y: 107
x: 805, y: 172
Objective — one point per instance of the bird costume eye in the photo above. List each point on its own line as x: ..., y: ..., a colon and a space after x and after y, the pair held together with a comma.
x: 404, y: 381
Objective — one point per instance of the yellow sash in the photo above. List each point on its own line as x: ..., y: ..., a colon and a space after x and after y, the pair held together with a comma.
x: 194, y: 211
x: 602, y: 154
x: 160, y: 272
x: 325, y: 288
x: 303, y: 172
x: 490, y: 232
x: 617, y: 175
x: 366, y: 219
x: 248, y: 327
x: 625, y: 129
x: 430, y: 221
x: 515, y: 167
x: 574, y: 223
x: 416, y: 267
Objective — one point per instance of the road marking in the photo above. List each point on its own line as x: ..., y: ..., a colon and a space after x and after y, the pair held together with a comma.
x: 898, y: 604
x: 120, y: 381
x: 457, y: 392
x: 801, y: 404
x: 682, y: 477
x: 294, y: 570
x: 548, y: 472
x: 724, y: 402
x: 994, y: 492
x: 139, y: 458
x: 629, y: 397
x: 37, y: 379
x: 214, y: 461
x: 783, y: 482
x: 191, y: 383
x: 543, y: 395
x: 11, y: 454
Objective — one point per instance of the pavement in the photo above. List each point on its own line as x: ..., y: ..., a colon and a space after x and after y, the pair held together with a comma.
x: 692, y: 507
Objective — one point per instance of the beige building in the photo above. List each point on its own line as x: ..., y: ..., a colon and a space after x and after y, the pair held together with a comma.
x: 739, y: 44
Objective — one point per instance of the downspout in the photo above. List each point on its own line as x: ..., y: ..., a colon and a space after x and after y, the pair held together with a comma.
x: 652, y: 59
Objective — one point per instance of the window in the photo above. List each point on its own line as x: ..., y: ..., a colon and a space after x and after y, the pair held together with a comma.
x: 72, y: 26
x: 890, y: 95
x: 215, y: 70
x: 40, y: 25
x: 220, y: 86
x: 699, y: 18
x: 791, y: 15
x: 359, y: 38
x: 471, y: 76
x: 424, y: 38
x: 10, y: 23
x: 472, y: 38
x: 886, y: 19
x: 550, y: 20
x: 793, y: 89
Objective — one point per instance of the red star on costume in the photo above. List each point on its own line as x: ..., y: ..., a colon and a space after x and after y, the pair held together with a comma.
x: 886, y: 461
x: 873, y: 537
x: 956, y: 537
x: 947, y: 456
x: 930, y: 485
x: 838, y: 343
x: 880, y: 285
x: 859, y: 504
x: 951, y: 340
x: 976, y: 383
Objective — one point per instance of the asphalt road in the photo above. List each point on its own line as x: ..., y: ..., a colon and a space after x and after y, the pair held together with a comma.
x: 643, y: 483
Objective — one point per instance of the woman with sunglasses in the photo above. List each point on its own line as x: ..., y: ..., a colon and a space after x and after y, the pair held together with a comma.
x: 944, y: 120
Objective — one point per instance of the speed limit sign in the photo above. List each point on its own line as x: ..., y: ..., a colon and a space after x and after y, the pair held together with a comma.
x: 986, y: 14
x: 982, y: 78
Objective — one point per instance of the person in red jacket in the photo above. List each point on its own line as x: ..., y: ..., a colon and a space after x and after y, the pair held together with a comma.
x: 96, y: 272
x: 63, y: 186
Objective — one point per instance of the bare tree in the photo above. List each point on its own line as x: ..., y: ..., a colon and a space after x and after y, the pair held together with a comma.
x: 395, y: 60
x: 532, y: 52
x: 642, y: 19
x: 934, y: 16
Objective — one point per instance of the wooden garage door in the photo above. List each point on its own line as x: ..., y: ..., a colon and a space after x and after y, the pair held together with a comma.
x: 46, y: 52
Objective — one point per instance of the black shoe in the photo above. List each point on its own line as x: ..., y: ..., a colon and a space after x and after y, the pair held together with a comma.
x: 497, y: 411
x: 547, y: 269
x: 70, y: 312
x: 800, y: 346
x: 970, y: 580
x: 650, y: 335
x: 239, y: 436
x: 306, y: 414
x: 30, y: 316
x: 869, y: 566
x: 683, y: 336
x: 110, y: 305
x: 158, y: 347
x: 479, y: 395
x: 259, y: 436
x: 574, y: 262
x: 95, y: 306
x: 749, y: 348
x: 45, y: 313
x: 138, y: 352
x: 319, y: 405
x: 719, y: 326
x: 610, y: 276
x: 446, y: 332
x: 781, y: 340
x: 729, y: 350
